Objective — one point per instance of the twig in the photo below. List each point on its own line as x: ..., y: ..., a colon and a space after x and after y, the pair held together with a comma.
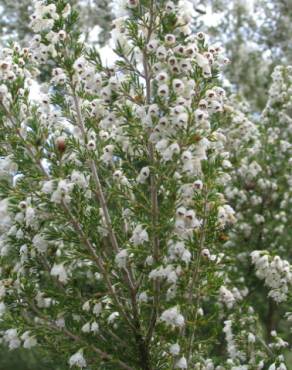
x: 103, y: 355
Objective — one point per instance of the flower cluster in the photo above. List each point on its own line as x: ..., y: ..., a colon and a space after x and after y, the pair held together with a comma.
x: 260, y: 192
x: 112, y: 182
x: 276, y: 273
x: 12, y: 339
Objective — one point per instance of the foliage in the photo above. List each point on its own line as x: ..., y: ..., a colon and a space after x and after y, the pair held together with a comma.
x: 118, y: 248
x: 261, y: 195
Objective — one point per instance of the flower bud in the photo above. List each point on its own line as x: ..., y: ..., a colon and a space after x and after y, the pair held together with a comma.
x: 132, y: 4
x: 61, y: 144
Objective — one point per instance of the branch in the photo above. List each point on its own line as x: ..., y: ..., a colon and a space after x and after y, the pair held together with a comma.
x: 196, y: 270
x: 28, y: 148
x: 153, y: 186
x: 100, y: 194
x: 99, y: 263
x: 76, y: 226
x: 103, y: 355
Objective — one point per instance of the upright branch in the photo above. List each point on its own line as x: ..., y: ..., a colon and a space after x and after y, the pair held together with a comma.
x: 112, y: 213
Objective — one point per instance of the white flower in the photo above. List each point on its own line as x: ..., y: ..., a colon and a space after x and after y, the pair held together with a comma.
x: 43, y: 302
x: 177, y: 251
x: 161, y: 52
x: 29, y: 341
x: 198, y: 185
x: 30, y: 216
x: 94, y: 327
x: 169, y: 273
x: 112, y: 317
x: 201, y: 60
x: 226, y: 296
x: 251, y: 338
x: 139, y: 236
x: 59, y: 271
x: 170, y: 6
x: 107, y: 156
x: 169, y: 39
x: 172, y: 317
x: 282, y: 367
x: 277, y: 274
x: 231, y: 346
x: 7, y: 166
x: 174, y: 349
x: 86, y: 328
x: 91, y: 145
x: 77, y: 360
x: 226, y: 214
x: 79, y: 179
x: 5, y: 219
x: 121, y: 178
x: 163, y: 90
x: 143, y: 175
x: 162, y: 77
x: 40, y: 243
x: 152, y: 45
x: 60, y: 322
x: 97, y: 308
x: 2, y: 309
x: 11, y: 337
x: 63, y: 192
x: 143, y: 297
x: 181, y: 363
x: 191, y: 220
x: 121, y: 258
x: 86, y: 306
x: 48, y: 187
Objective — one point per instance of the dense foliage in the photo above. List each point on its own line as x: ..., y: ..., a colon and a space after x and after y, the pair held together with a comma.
x: 144, y: 212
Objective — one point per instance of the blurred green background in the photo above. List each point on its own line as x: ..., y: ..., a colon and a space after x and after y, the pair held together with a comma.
x: 22, y: 359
